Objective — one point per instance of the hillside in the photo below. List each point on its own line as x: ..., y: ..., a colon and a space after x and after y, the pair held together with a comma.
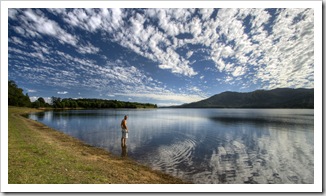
x: 277, y: 98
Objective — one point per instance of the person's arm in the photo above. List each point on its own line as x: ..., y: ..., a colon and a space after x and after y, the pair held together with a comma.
x: 124, y: 125
x: 125, y: 122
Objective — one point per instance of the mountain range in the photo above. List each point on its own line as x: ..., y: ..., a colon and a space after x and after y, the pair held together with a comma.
x: 276, y: 98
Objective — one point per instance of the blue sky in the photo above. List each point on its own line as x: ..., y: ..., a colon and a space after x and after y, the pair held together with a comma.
x: 161, y: 56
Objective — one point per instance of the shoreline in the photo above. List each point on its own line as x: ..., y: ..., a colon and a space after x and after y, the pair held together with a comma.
x: 41, y: 155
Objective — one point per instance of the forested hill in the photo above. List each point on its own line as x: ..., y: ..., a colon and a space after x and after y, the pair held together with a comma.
x: 277, y: 98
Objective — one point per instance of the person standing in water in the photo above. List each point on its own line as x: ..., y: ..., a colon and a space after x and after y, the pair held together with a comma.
x: 124, y: 130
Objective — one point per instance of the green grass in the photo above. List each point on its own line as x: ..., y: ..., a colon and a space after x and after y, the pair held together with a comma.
x: 40, y: 155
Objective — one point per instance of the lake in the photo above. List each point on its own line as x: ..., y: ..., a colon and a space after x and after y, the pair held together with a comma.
x: 236, y: 146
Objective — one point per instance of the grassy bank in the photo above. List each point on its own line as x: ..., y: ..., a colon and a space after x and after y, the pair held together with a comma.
x: 41, y: 155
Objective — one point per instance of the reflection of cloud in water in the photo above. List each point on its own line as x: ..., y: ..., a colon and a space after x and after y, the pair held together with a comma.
x: 174, y: 158
x: 281, y: 160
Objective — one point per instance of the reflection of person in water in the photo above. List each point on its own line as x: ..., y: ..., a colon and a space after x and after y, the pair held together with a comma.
x: 124, y: 130
x: 124, y: 151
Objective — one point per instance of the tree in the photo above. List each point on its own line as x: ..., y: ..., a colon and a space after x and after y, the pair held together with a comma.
x: 41, y: 100
x: 56, y: 102
x: 16, y: 96
x: 40, y: 103
x: 36, y: 104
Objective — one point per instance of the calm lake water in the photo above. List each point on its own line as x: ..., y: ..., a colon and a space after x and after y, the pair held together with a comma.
x: 203, y: 145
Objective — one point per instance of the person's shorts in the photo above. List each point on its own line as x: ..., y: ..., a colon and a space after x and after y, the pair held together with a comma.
x: 124, y: 134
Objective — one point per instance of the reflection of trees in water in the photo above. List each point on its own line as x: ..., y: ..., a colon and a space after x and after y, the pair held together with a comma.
x: 40, y: 115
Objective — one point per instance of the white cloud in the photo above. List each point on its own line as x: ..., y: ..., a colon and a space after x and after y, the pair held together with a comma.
x: 152, y: 43
x: 40, y: 24
x: 229, y: 67
x: 206, y: 13
x: 195, y: 27
x: 227, y: 52
x: 94, y: 22
x: 32, y: 99
x: 239, y: 71
x: 228, y: 79
x: 288, y: 62
x: 12, y: 13
x: 195, y: 89
x: 113, y: 77
x: 116, y: 17
x: 88, y: 49
x: 31, y: 91
x: 34, y: 24
x: 168, y: 97
x: 17, y: 40
x: 189, y: 54
x: 283, y: 58
x: 260, y: 17
x: 62, y: 92
x: 19, y: 30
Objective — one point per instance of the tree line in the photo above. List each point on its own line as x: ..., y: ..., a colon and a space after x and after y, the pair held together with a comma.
x: 97, y: 103
x: 16, y: 97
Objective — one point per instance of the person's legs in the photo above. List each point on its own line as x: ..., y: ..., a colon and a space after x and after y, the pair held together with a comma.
x: 124, y: 138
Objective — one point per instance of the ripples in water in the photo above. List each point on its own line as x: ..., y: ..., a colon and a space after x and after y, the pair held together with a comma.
x: 204, y: 145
